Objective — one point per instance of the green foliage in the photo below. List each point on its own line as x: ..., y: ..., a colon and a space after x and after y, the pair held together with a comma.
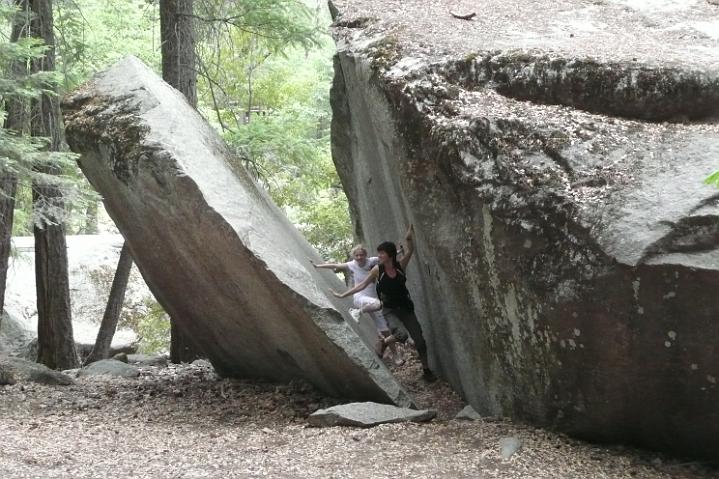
x: 237, y: 40
x: 287, y: 147
x: 713, y: 179
x: 274, y: 24
x: 93, y: 34
x: 22, y: 156
x: 264, y: 77
x: 90, y: 36
x: 152, y: 326
x: 154, y: 330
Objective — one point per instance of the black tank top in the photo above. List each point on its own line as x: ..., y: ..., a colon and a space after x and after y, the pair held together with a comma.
x: 393, y: 291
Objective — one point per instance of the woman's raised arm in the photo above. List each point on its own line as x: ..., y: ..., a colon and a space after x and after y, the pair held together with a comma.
x: 409, y: 239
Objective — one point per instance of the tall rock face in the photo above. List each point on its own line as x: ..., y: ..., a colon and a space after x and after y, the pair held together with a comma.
x: 215, y: 251
x: 567, y: 262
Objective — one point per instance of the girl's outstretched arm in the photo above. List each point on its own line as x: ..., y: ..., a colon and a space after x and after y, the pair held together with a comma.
x: 334, y: 266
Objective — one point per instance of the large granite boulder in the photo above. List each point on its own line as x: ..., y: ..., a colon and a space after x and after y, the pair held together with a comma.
x: 218, y: 255
x: 567, y: 259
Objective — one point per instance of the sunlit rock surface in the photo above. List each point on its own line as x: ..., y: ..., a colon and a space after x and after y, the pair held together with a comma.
x: 551, y: 157
x: 92, y: 260
x: 219, y: 256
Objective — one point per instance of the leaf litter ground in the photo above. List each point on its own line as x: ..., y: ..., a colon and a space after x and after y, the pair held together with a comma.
x: 182, y: 421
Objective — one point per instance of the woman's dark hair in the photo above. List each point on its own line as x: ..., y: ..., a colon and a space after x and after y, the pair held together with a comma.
x: 391, y: 249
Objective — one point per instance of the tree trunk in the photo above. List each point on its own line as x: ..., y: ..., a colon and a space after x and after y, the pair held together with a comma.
x: 56, y: 345
x: 8, y: 186
x: 15, y: 120
x: 178, y: 47
x: 114, y: 306
x: 179, y: 70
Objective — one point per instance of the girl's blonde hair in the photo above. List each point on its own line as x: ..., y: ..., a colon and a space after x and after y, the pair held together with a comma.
x: 357, y: 249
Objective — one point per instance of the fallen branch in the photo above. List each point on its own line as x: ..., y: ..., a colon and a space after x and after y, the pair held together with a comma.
x: 466, y: 16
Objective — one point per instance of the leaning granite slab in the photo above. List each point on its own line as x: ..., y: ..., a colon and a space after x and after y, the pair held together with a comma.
x: 218, y: 255
x: 567, y: 262
x: 367, y: 414
x: 109, y: 367
x: 21, y: 370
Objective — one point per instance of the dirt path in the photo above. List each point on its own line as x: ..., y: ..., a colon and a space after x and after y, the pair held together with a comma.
x: 183, y: 422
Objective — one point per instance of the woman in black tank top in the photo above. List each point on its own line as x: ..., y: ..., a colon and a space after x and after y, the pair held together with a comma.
x: 391, y: 286
x: 392, y: 291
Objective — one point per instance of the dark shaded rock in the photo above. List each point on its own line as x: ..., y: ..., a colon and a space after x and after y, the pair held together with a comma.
x: 109, y: 367
x: 147, y: 360
x: 215, y: 251
x: 566, y: 259
x: 367, y: 414
x: 6, y: 377
x: 120, y: 357
x: 84, y: 350
x: 22, y: 370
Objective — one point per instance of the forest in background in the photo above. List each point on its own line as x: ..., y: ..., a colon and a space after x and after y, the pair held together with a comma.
x: 260, y: 73
x: 263, y: 82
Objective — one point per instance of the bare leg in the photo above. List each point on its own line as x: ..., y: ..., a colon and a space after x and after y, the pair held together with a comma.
x: 414, y: 329
x: 370, y: 306
x: 391, y: 343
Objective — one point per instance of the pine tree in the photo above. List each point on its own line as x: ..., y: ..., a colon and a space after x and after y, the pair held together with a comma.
x: 56, y: 345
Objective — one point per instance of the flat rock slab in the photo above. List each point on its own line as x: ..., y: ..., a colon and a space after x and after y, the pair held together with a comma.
x: 367, y: 414
x: 109, y: 367
x: 21, y: 370
x: 219, y: 256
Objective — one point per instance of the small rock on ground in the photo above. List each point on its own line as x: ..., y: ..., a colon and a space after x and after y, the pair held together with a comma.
x: 468, y: 414
x: 508, y: 446
x: 109, y: 367
x: 368, y: 414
